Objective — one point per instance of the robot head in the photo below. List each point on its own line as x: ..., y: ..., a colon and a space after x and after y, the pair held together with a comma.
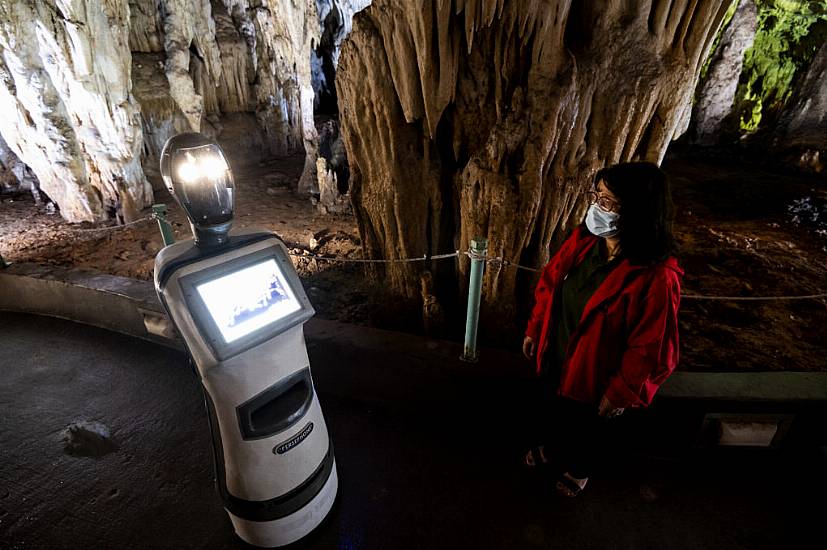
x: 197, y: 174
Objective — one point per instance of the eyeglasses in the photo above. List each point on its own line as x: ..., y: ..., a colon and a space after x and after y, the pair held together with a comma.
x: 604, y: 202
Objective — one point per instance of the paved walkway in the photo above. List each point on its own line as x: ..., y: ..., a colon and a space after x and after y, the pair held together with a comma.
x: 428, y: 454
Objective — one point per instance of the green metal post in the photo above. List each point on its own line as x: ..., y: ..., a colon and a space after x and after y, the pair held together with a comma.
x: 479, y: 249
x: 160, y: 211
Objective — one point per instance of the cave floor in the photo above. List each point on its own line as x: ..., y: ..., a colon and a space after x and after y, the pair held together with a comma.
x: 431, y: 463
x: 742, y: 230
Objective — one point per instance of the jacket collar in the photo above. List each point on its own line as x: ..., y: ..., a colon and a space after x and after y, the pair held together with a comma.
x: 617, y: 280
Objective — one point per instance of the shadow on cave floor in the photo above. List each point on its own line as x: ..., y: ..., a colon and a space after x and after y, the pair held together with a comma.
x: 430, y: 463
x: 742, y: 230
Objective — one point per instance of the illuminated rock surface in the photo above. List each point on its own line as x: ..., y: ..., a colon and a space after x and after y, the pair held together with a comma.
x: 68, y: 70
x: 717, y: 92
x: 68, y: 111
x: 803, y: 126
x: 489, y: 119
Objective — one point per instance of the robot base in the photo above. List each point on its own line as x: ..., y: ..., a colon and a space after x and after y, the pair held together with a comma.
x: 283, y: 531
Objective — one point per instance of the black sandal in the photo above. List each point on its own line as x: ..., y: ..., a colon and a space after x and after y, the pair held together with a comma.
x: 566, y: 483
x: 530, y: 460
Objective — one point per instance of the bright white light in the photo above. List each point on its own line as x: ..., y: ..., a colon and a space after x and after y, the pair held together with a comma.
x: 247, y: 300
x: 213, y: 166
x: 188, y: 170
x: 207, y: 164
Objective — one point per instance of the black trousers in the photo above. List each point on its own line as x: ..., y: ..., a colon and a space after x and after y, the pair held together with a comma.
x: 575, y: 437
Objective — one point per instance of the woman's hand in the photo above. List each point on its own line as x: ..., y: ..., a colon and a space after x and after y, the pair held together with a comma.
x: 606, y: 409
x: 528, y: 347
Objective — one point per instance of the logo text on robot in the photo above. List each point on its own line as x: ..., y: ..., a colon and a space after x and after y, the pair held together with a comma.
x: 293, y: 441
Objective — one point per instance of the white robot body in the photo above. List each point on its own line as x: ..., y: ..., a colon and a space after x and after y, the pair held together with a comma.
x: 240, y: 309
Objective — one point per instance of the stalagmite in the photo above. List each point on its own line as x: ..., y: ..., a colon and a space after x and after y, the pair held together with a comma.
x: 68, y: 111
x: 485, y: 118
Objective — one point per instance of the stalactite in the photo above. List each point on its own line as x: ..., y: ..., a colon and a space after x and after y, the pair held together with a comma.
x: 502, y: 112
x: 189, y: 31
x: 234, y: 85
x: 161, y: 117
x: 146, y: 32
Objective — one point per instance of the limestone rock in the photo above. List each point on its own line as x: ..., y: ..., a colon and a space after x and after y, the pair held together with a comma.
x: 68, y: 111
x: 803, y: 125
x: 15, y: 175
x: 488, y: 118
x: 161, y: 117
x: 330, y: 199
x: 336, y: 22
x: 280, y: 35
x: 193, y: 59
x: 234, y: 94
x: 146, y: 32
x: 715, y: 99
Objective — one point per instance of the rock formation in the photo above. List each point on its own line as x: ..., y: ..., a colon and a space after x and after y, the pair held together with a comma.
x: 69, y: 69
x: 717, y: 92
x: 68, y: 111
x: 483, y: 118
x: 336, y: 22
x: 802, y: 131
x: 280, y: 35
x: 332, y: 170
x: 15, y: 176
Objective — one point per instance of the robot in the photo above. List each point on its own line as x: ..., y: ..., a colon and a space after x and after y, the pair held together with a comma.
x: 239, y: 306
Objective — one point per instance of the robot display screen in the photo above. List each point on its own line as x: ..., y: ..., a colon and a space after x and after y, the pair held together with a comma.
x: 246, y: 300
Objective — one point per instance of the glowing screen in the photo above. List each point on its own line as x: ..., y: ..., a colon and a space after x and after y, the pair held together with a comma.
x: 242, y: 302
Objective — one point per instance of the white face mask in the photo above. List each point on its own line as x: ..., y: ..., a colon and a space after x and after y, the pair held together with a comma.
x: 602, y: 223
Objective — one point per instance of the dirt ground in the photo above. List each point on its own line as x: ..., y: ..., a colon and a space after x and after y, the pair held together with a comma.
x: 741, y: 230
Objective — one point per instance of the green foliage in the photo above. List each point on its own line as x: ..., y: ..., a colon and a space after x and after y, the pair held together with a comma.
x: 788, y: 37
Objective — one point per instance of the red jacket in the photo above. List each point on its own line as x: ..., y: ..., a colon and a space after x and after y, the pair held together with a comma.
x: 626, y: 343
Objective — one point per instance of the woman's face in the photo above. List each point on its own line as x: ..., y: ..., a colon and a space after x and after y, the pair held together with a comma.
x: 605, y: 199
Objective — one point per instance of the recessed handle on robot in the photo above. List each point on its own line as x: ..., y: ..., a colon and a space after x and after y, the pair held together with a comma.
x: 277, y: 408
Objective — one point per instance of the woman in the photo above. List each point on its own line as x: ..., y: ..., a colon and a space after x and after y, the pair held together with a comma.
x: 604, y: 329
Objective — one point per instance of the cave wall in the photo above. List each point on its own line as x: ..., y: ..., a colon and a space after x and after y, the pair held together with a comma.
x: 68, y: 111
x: 229, y: 56
x: 92, y: 88
x: 472, y: 118
x: 336, y: 22
x: 716, y: 91
x: 766, y: 73
x: 15, y: 176
x: 801, y: 135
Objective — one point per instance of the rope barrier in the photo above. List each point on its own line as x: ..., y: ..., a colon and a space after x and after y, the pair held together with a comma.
x: 753, y: 298
x: 379, y: 261
x: 110, y: 227
x: 507, y: 263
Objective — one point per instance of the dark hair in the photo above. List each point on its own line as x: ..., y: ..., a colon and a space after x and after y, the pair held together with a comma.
x: 645, y: 224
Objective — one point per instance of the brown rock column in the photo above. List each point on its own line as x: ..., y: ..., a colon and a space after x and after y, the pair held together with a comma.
x: 486, y: 118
